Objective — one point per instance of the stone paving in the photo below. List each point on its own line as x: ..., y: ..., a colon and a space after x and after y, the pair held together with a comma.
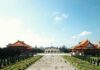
x: 51, y: 62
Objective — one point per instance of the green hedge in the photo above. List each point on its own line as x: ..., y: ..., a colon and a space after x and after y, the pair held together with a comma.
x: 81, y: 64
x: 92, y: 60
x: 22, y: 65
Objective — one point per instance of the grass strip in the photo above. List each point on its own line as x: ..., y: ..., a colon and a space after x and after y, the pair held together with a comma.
x: 81, y: 64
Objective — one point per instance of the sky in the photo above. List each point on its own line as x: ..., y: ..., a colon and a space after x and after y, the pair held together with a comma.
x: 44, y: 23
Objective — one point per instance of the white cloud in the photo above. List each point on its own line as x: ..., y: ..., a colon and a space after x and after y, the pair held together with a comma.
x: 74, y: 37
x: 64, y: 16
x: 84, y: 33
x: 12, y: 29
x: 57, y: 17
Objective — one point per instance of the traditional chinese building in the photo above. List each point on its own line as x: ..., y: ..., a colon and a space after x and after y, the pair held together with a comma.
x: 20, y: 46
x: 84, y: 47
x: 52, y: 50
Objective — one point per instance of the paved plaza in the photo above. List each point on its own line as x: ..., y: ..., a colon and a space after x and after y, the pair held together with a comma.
x: 51, y: 62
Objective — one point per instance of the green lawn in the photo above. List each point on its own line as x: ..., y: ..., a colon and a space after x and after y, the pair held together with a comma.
x: 22, y: 65
x: 81, y: 64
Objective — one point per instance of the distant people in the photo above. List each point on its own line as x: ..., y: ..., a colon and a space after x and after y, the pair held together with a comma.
x: 61, y: 66
x: 56, y: 67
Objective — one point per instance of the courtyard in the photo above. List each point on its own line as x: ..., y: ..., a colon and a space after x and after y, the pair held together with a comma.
x: 51, y: 62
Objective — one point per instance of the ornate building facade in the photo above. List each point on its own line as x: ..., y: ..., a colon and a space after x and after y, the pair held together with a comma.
x: 20, y: 46
x: 52, y: 50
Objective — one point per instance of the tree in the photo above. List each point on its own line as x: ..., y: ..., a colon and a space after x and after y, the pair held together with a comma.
x: 63, y: 49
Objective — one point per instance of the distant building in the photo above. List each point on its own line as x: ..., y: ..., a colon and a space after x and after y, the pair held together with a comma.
x: 52, y: 50
x: 84, y: 47
x: 20, y: 46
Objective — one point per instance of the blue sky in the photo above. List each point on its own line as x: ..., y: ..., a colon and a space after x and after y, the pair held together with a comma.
x: 42, y: 22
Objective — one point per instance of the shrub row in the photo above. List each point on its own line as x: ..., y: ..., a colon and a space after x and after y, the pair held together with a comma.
x: 92, y: 60
x: 23, y: 64
x: 11, y: 60
x: 80, y: 64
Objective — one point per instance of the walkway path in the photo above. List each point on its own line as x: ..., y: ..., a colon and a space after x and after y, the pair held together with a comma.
x: 51, y: 62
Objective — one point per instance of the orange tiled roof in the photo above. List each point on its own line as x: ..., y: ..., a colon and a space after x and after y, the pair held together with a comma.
x: 84, y: 44
x: 20, y: 44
